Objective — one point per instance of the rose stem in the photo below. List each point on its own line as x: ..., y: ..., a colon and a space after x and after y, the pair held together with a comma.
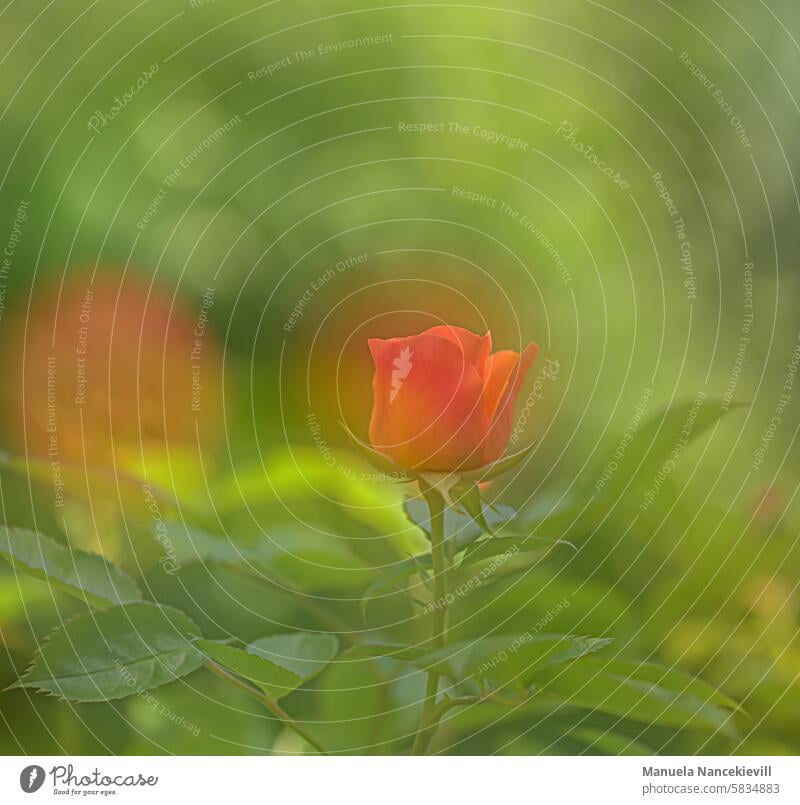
x: 439, y: 621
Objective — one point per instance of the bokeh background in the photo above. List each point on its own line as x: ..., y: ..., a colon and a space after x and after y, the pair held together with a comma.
x: 206, y: 208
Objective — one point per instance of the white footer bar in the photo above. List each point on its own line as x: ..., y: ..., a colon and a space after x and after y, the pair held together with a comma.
x: 386, y: 781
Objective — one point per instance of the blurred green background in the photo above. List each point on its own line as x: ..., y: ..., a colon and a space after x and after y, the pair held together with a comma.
x: 616, y: 181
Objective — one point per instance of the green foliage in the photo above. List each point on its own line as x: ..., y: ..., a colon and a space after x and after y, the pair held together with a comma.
x: 87, y: 576
x: 114, y: 653
x: 500, y: 660
x: 643, y: 692
x: 303, y: 653
x: 507, y: 654
x: 273, y: 679
x: 299, y: 558
x: 480, y: 562
x: 480, y: 552
x: 511, y: 659
x: 662, y: 439
x: 360, y: 707
x: 608, y: 742
x: 278, y: 664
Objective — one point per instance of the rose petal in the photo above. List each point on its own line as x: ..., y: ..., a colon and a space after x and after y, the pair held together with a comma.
x: 506, y: 372
x: 476, y: 348
x: 427, y: 411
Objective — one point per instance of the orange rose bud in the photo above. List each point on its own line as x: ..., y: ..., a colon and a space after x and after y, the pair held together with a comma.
x: 442, y: 401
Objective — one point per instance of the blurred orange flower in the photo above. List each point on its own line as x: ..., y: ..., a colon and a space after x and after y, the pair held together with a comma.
x: 107, y: 366
x: 442, y: 401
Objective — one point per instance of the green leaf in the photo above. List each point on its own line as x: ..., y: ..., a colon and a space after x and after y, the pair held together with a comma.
x: 312, y: 561
x: 112, y: 483
x: 662, y: 438
x: 500, y: 659
x: 497, y: 546
x: 643, y: 692
x: 356, y: 708
x: 298, y: 475
x: 393, y: 580
x: 278, y: 664
x: 194, y: 545
x: 496, y: 559
x: 423, y: 573
x: 468, y: 496
x: 273, y: 679
x: 554, y: 513
x: 544, y: 601
x: 503, y: 659
x: 303, y: 653
x: 115, y: 653
x: 87, y: 576
x: 22, y: 597
x: 298, y: 556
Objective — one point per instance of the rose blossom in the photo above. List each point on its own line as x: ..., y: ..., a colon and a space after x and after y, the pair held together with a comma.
x: 442, y: 401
